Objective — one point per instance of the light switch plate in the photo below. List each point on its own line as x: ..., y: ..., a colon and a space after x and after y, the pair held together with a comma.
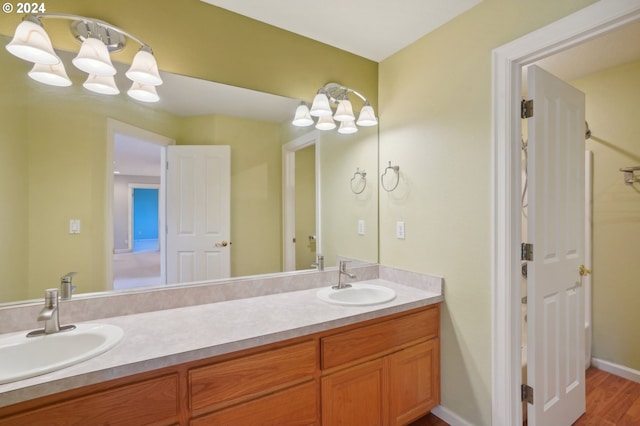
x: 74, y: 226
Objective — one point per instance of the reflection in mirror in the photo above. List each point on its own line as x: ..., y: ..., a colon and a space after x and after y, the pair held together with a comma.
x: 61, y: 147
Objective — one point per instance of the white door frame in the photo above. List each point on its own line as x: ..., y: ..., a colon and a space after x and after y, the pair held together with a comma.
x: 130, y: 209
x: 508, y: 60
x: 118, y: 127
x: 289, y: 197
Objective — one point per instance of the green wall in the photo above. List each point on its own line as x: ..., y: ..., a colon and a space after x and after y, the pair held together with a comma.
x: 13, y: 185
x: 613, y: 119
x: 435, y: 123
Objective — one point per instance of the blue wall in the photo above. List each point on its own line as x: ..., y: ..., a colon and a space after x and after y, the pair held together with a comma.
x: 145, y: 214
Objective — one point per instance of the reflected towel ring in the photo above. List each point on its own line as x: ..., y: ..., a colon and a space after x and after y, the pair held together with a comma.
x: 396, y: 169
x: 363, y: 179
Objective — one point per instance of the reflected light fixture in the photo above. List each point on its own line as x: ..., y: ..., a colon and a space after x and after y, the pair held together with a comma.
x: 103, y: 84
x: 338, y: 95
x: 53, y: 75
x: 99, y: 39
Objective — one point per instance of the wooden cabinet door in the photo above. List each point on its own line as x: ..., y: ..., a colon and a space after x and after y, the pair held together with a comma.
x: 356, y: 396
x: 414, y: 382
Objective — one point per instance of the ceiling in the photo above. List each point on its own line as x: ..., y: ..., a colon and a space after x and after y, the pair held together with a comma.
x: 376, y: 29
x: 373, y: 29
x: 608, y: 50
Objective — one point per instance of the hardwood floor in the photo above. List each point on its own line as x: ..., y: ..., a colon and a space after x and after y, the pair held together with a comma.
x: 611, y: 401
x: 429, y: 420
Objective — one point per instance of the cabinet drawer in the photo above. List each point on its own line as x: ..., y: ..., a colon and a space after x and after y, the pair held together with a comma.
x: 378, y: 338
x: 296, y: 406
x: 151, y: 402
x: 229, y: 382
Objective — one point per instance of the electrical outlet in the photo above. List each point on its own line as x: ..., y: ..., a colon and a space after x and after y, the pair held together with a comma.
x: 361, y: 227
x: 400, y: 234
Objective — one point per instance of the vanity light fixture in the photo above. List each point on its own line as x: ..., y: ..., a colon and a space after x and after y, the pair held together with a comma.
x: 32, y: 43
x: 333, y: 93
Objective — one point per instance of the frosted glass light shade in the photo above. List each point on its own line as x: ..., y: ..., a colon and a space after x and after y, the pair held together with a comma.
x: 143, y: 92
x: 31, y: 43
x: 144, y: 69
x: 53, y: 75
x: 302, y: 117
x: 347, y: 127
x: 326, y: 123
x: 93, y: 58
x: 103, y: 84
x: 344, y: 111
x: 320, y: 106
x: 367, y: 116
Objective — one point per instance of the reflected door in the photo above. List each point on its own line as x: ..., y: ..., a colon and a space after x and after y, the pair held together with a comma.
x: 198, y: 213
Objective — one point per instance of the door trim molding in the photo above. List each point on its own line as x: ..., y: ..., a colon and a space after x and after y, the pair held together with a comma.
x: 507, y: 63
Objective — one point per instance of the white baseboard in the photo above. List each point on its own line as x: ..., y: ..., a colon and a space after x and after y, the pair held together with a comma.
x: 618, y: 370
x: 449, y: 416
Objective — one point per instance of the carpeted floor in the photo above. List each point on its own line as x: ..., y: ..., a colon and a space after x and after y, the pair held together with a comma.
x: 132, y: 270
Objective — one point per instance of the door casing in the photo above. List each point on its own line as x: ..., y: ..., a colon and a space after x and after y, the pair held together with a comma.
x: 508, y: 60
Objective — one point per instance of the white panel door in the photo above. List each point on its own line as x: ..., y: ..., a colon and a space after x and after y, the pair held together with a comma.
x: 198, y: 212
x: 555, y: 295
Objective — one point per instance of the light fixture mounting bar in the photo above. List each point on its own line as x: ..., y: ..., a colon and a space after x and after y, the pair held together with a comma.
x: 83, y: 29
x: 111, y: 32
x: 336, y: 91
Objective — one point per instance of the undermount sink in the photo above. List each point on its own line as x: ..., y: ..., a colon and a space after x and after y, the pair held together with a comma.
x: 22, y: 357
x: 359, y: 294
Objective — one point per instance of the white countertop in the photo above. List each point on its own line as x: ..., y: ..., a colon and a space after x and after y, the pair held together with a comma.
x: 160, y: 339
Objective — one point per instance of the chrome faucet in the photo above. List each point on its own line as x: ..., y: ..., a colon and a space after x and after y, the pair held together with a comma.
x: 319, y: 263
x: 342, y: 270
x: 50, y: 314
x: 66, y: 287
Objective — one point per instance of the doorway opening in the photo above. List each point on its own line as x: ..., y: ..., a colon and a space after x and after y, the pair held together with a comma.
x: 508, y: 60
x: 135, y: 207
x: 301, y: 242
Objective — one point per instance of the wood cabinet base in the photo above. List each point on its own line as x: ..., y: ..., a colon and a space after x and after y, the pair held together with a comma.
x: 384, y: 371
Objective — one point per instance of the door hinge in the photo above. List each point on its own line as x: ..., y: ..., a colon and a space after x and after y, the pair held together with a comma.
x: 526, y: 393
x: 526, y: 108
x: 526, y: 251
x: 166, y: 165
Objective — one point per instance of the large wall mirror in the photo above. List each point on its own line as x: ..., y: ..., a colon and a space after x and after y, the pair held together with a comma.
x: 83, y: 184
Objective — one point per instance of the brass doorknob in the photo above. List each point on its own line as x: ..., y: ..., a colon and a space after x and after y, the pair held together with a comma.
x: 222, y: 244
x: 584, y: 271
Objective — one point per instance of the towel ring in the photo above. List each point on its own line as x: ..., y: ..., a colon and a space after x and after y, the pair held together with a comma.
x: 396, y: 170
x: 363, y: 179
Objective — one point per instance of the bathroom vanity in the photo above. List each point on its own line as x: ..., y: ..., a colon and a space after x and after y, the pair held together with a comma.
x: 287, y: 359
